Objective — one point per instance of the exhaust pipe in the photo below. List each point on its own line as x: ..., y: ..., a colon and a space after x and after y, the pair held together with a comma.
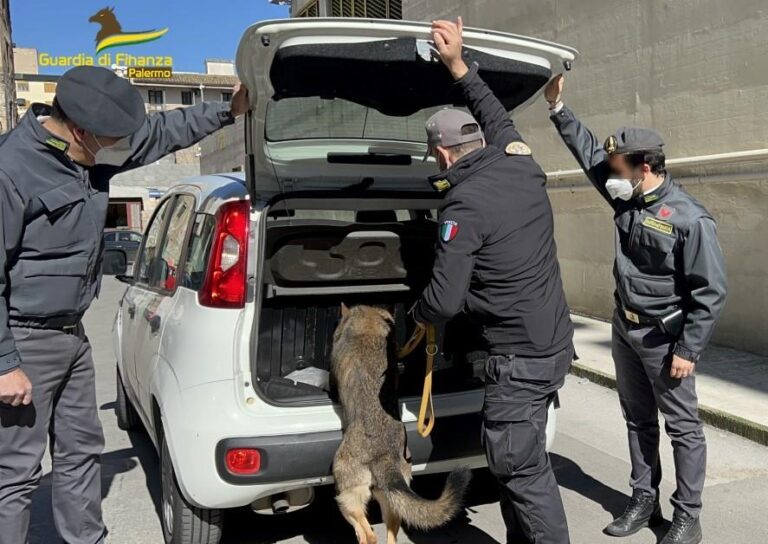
x: 280, y: 504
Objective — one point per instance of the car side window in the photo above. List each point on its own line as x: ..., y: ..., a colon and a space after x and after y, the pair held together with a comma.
x: 134, y: 237
x: 109, y: 237
x: 198, y: 251
x: 124, y: 237
x: 173, y: 244
x: 148, y: 260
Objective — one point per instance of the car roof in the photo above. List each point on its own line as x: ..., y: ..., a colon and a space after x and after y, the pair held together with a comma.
x: 212, y: 190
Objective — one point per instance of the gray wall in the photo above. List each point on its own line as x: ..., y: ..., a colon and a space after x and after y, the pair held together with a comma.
x: 696, y: 70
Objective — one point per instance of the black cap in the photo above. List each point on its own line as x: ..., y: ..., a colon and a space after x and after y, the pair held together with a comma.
x: 101, y: 102
x: 633, y: 140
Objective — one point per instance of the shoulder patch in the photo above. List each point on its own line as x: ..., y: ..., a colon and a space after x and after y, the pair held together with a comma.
x: 448, y: 230
x: 55, y: 143
x: 517, y: 148
x: 653, y: 197
x: 661, y: 226
x: 665, y: 212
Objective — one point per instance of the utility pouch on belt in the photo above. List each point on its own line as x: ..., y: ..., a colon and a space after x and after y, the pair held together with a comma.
x: 672, y: 324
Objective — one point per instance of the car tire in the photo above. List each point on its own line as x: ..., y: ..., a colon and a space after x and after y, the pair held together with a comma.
x: 183, y: 523
x: 127, y: 417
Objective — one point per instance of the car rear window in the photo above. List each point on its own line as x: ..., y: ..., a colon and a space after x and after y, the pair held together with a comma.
x: 319, y: 118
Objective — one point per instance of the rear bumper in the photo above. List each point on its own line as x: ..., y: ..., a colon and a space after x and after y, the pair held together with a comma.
x: 287, y: 458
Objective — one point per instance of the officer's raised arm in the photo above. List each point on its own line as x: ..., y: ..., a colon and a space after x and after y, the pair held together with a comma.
x: 166, y: 132
x: 498, y: 128
x: 583, y: 144
x: 704, y: 272
x: 460, y: 237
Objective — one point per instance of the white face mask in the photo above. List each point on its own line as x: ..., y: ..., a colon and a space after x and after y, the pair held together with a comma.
x: 114, y: 155
x: 622, y: 189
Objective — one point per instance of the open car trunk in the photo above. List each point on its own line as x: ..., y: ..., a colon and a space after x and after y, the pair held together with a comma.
x: 311, y: 266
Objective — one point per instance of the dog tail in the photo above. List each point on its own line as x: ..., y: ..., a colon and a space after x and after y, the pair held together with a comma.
x: 421, y: 513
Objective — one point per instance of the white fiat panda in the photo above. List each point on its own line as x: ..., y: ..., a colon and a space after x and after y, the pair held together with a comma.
x: 224, y: 333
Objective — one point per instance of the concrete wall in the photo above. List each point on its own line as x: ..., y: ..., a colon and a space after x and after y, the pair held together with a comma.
x: 696, y: 70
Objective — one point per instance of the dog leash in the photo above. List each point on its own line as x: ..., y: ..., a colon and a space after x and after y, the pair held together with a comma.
x: 426, y: 420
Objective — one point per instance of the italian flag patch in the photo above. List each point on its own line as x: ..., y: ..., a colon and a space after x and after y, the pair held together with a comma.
x: 448, y: 230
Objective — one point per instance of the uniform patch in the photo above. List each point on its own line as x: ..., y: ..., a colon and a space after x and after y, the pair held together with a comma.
x: 665, y: 212
x: 660, y: 226
x: 650, y: 198
x: 448, y: 230
x: 55, y: 143
x: 441, y: 185
x: 518, y: 148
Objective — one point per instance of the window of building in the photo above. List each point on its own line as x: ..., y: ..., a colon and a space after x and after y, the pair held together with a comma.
x: 49, y: 87
x: 312, y: 9
x: 226, y: 96
x: 187, y: 98
x: 22, y: 86
x: 156, y: 97
x: 373, y: 9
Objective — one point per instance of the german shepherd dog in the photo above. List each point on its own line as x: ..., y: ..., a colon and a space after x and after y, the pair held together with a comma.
x: 372, y: 458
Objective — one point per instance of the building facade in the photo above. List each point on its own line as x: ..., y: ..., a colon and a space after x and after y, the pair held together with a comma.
x: 7, y: 87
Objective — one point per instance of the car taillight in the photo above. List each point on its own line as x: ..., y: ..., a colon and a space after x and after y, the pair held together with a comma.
x: 243, y: 461
x: 225, y: 278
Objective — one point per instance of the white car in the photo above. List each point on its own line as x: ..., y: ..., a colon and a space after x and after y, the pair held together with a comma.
x: 223, y: 336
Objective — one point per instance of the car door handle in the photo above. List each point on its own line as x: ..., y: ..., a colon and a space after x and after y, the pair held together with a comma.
x: 131, y: 310
x: 154, y: 323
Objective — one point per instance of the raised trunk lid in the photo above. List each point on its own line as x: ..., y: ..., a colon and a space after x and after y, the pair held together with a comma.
x: 362, y: 87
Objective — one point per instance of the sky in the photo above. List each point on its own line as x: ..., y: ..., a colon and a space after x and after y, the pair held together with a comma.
x: 196, y: 29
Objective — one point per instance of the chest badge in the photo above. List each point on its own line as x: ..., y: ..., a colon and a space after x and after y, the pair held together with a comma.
x: 660, y: 226
x: 449, y: 230
x: 665, y: 212
x: 441, y: 185
x: 517, y: 148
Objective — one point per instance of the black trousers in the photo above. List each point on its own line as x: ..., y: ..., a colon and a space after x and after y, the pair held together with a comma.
x: 518, y: 391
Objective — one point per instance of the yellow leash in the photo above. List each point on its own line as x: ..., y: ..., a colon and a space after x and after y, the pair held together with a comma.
x: 426, y: 421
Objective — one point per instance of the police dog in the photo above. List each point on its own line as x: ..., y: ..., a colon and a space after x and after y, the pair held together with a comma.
x: 372, y: 458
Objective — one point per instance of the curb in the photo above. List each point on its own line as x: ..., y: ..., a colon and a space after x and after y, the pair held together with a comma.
x: 712, y: 416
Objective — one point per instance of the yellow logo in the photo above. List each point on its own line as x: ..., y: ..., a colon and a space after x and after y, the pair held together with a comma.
x: 111, y: 33
x: 660, y: 226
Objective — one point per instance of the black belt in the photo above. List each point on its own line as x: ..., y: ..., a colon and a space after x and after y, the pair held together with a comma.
x: 60, y: 322
x: 638, y: 319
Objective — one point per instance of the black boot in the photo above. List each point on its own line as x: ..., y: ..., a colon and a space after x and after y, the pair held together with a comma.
x: 685, y: 529
x: 643, y: 510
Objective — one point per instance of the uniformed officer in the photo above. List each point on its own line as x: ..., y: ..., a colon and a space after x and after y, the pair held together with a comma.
x: 670, y: 290
x: 55, y: 168
x: 497, y: 261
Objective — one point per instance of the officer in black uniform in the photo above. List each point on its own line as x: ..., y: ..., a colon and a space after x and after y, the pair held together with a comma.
x: 497, y: 261
x: 670, y: 290
x: 55, y: 169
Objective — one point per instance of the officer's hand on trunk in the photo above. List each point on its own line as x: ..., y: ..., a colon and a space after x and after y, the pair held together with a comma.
x: 681, y: 368
x: 554, y: 91
x: 447, y: 37
x: 240, y: 102
x: 15, y: 388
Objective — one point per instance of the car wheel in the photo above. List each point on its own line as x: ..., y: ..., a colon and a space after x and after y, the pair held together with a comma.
x: 127, y: 418
x: 182, y: 522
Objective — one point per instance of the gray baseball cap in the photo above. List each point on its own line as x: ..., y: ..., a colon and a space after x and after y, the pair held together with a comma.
x: 449, y: 127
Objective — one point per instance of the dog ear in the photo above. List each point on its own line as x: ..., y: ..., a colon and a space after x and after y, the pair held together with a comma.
x: 344, y: 310
x: 386, y: 315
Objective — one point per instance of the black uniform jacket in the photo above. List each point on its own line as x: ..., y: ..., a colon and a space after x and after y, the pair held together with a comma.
x: 53, y: 211
x: 667, y: 252
x: 496, y: 254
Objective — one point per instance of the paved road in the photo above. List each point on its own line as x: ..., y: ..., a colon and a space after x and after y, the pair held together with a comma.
x: 590, y: 458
